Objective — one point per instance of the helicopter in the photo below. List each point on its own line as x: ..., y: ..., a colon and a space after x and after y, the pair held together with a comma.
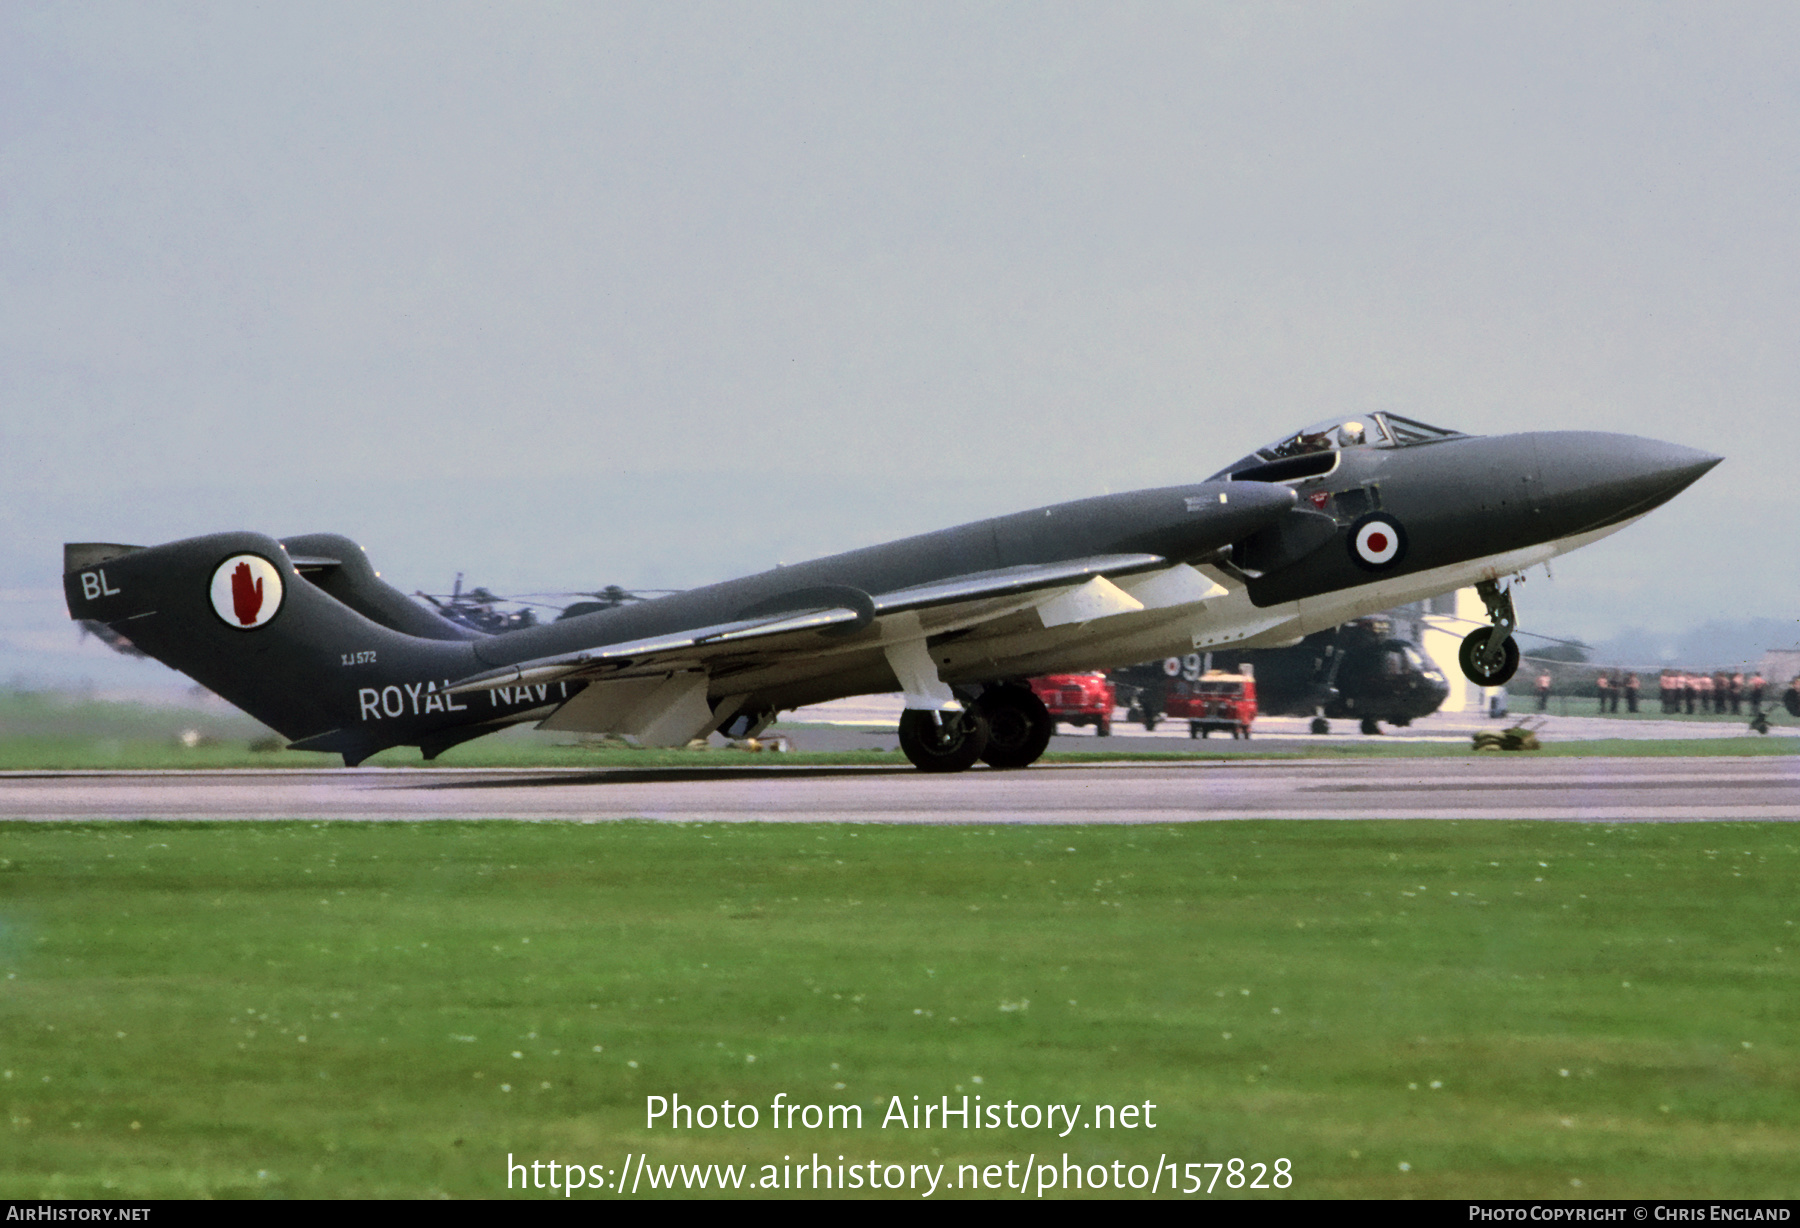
x: 480, y: 610
x: 1359, y: 670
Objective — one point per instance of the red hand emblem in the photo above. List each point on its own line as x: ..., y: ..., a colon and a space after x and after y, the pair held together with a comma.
x: 246, y: 595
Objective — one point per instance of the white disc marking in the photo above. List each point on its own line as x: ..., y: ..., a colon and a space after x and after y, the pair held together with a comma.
x: 246, y: 591
x: 1378, y: 542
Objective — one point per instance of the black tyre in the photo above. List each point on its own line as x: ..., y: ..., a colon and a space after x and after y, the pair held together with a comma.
x: 943, y: 741
x: 1370, y: 726
x: 1019, y: 726
x: 1321, y: 725
x: 1791, y: 701
x: 1103, y: 727
x: 1465, y: 656
x: 1193, y: 729
x: 1149, y: 724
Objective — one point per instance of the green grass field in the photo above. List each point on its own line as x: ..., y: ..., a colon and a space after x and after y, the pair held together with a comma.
x: 1427, y: 1009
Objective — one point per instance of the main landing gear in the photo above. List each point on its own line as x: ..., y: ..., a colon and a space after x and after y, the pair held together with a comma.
x: 943, y: 741
x: 1006, y: 727
x: 1019, y: 726
x: 1489, y: 656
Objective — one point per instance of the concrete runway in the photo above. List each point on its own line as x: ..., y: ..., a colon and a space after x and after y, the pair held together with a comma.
x: 868, y: 721
x: 1484, y: 787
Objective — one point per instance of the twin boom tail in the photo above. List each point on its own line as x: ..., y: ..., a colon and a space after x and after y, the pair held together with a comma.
x: 302, y: 635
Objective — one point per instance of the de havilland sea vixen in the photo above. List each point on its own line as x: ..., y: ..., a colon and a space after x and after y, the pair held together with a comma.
x: 1355, y: 515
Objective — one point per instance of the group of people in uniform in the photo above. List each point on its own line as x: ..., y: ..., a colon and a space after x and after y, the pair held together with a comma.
x: 1720, y: 692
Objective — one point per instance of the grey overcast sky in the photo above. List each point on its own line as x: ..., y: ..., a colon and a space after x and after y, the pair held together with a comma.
x: 656, y: 294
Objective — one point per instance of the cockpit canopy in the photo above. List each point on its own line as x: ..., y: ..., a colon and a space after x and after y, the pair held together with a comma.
x: 1313, y: 451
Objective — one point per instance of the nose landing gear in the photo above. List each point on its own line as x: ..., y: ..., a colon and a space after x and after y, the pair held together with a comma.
x: 1489, y: 656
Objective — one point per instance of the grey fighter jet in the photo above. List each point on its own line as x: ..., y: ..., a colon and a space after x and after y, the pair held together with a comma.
x: 1355, y: 515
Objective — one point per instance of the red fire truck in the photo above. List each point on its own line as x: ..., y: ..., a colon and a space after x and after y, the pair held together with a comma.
x: 1213, y: 701
x: 1078, y: 699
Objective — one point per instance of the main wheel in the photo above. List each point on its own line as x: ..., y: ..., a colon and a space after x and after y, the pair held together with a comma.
x: 1321, y: 725
x: 1370, y: 726
x: 1019, y: 726
x: 943, y: 741
x: 1471, y: 669
x: 1103, y: 727
x: 1149, y: 724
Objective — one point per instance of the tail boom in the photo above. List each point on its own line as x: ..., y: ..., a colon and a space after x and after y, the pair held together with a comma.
x: 311, y: 644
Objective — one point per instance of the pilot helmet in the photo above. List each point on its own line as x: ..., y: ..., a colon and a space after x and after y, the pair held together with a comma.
x: 1350, y: 434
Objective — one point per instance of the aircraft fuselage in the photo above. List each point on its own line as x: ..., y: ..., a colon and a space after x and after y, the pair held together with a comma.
x: 1331, y: 524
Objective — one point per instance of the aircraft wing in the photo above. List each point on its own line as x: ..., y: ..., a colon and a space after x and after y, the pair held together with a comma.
x: 840, y: 612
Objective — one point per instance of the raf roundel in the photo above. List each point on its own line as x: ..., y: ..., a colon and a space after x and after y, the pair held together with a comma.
x: 1377, y: 542
x: 246, y: 591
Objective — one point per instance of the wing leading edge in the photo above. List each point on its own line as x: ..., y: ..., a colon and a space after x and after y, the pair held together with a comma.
x: 667, y: 688
x: 978, y: 597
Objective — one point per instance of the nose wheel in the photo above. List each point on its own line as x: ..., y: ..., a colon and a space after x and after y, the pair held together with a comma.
x: 1490, y: 656
x: 1475, y: 665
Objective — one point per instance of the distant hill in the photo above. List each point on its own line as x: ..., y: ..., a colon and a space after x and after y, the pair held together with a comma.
x: 1718, y: 644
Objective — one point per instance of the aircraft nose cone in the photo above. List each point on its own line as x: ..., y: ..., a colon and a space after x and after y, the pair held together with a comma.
x: 1667, y: 466
x: 1590, y: 479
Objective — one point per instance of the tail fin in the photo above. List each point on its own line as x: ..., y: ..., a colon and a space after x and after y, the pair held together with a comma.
x: 300, y: 634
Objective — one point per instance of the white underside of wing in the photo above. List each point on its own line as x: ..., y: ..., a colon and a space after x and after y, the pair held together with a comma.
x: 666, y: 711
x: 1180, y: 585
x: 1098, y: 598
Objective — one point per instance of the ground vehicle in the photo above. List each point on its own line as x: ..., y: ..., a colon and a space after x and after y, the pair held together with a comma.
x: 1078, y: 699
x: 1213, y: 701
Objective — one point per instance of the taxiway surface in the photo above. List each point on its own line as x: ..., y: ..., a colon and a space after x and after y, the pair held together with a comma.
x: 1476, y: 787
